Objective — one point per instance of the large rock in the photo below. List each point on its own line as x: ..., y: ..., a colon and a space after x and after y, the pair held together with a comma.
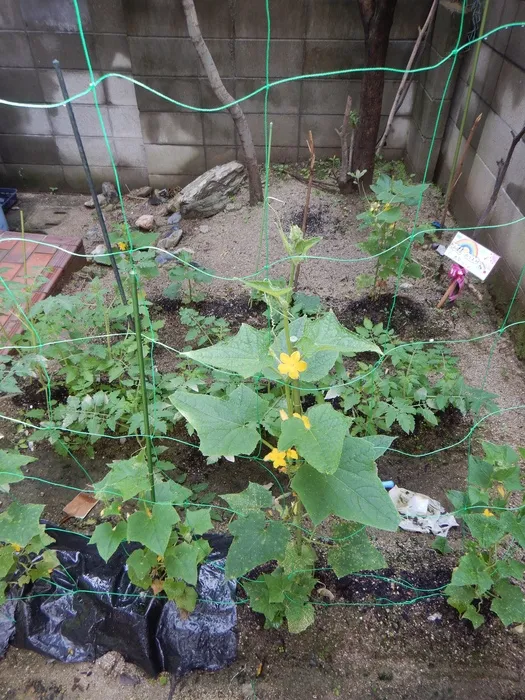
x: 110, y: 193
x: 209, y: 194
x: 146, y: 222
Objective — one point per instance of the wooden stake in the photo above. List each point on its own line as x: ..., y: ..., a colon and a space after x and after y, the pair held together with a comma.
x: 447, y: 294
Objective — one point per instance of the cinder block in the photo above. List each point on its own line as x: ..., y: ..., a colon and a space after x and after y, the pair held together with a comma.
x: 20, y: 85
x: 10, y: 15
x: 218, y: 129
x: 478, y: 184
x: 434, y: 80
x: 76, y: 82
x: 487, y: 72
x: 161, y: 181
x: 408, y: 17
x: 184, y: 90
x: 119, y: 92
x: 19, y: 120
x: 419, y: 154
x: 329, y: 96
x: 87, y: 120
x: 285, y: 129
x: 15, y: 50
x: 509, y: 96
x: 494, y: 141
x: 217, y: 155
x: 125, y: 122
x: 129, y: 153
x: 52, y: 16
x: 447, y: 27
x: 280, y: 154
x: 175, y: 160
x: 321, y: 153
x: 107, y: 16
x: 112, y: 51
x: 39, y: 150
x: 207, y: 96
x: 515, y: 51
x: 282, y: 99
x: 288, y: 19
x: 330, y: 55
x: 323, y: 128
x: 399, y: 132
x: 286, y: 58
x: 34, y: 177
x: 428, y: 113
x: 94, y: 146
x: 163, y: 56
x: 172, y: 128
x: 67, y: 48
x: 221, y: 50
x: 166, y: 18
x: 500, y: 13
x: 128, y: 177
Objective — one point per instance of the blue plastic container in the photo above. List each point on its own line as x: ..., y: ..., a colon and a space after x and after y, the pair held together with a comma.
x: 8, y: 198
x: 3, y: 221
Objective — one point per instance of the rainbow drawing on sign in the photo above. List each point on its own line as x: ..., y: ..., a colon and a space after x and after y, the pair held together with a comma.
x: 471, y: 255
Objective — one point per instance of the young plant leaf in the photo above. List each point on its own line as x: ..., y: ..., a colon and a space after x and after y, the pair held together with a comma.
x: 126, y: 479
x: 321, y: 445
x: 355, y: 553
x: 181, y: 562
x: 251, y: 500
x: 10, y: 472
x: 153, y: 530
x: 199, y: 520
x: 225, y: 426
x: 509, y: 606
x: 108, y: 538
x: 255, y: 542
x: 353, y: 492
x: 19, y: 524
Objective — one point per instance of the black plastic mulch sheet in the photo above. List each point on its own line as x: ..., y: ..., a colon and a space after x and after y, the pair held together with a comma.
x: 111, y: 614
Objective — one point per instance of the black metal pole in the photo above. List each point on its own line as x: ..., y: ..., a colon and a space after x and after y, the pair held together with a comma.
x: 89, y: 179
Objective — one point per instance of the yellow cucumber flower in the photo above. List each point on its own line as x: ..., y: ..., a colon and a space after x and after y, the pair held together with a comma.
x: 122, y: 246
x: 16, y: 547
x: 292, y: 365
x: 305, y: 420
x: 488, y: 513
x: 283, y: 414
x: 501, y: 490
x: 277, y: 457
x: 292, y: 454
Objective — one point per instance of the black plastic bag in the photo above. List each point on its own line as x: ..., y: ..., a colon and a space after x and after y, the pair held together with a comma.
x: 111, y: 614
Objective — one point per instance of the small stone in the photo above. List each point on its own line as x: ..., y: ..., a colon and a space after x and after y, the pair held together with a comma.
x: 146, y: 222
x: 142, y: 191
x: 171, y: 241
x: 90, y: 204
x: 155, y: 201
x: 175, y: 218
x: 99, y: 256
x: 204, y: 229
x: 111, y: 663
x: 435, y: 617
x: 109, y: 192
x: 233, y: 206
x: 405, y: 285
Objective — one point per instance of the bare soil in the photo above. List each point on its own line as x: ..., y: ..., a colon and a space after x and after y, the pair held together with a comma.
x: 361, y: 646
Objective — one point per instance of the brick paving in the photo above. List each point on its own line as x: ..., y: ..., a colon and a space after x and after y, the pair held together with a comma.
x: 53, y: 266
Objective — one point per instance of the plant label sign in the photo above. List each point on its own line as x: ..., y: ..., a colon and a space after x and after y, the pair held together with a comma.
x: 471, y: 255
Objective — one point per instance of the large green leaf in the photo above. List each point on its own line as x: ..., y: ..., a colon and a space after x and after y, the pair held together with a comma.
x: 255, y: 542
x: 108, y: 538
x: 355, y: 552
x: 185, y: 597
x: 326, y: 333
x: 225, y: 426
x: 353, y: 492
x: 199, y: 520
x: 251, y: 500
x: 299, y: 616
x: 486, y: 530
x: 321, y: 445
x: 181, y: 562
x: 153, y: 529
x: 7, y: 560
x: 509, y: 606
x: 19, y: 524
x: 472, y: 571
x: 139, y: 564
x: 10, y: 472
x: 246, y: 353
x: 126, y: 478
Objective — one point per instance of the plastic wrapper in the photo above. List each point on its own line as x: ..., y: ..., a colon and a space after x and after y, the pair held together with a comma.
x: 89, y: 607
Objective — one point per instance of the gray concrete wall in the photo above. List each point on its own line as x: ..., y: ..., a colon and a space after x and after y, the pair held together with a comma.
x: 160, y: 143
x: 499, y: 95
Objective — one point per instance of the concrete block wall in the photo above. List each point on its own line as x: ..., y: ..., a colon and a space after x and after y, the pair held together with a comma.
x: 162, y: 143
x: 499, y: 96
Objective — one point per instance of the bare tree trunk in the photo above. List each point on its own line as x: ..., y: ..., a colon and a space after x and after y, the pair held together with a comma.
x: 346, y: 150
x: 377, y: 17
x: 243, y: 130
x: 400, y: 95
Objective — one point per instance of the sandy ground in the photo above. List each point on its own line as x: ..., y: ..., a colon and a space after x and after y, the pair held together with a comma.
x: 351, y: 652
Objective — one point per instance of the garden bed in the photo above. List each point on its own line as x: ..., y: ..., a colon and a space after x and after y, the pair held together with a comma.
x: 371, y: 639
